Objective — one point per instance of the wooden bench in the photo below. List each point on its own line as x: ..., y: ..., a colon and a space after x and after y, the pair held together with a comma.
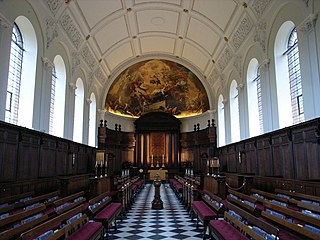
x: 302, y: 201
x: 103, y: 210
x: 9, y: 203
x: 15, y: 224
x: 239, y: 224
x: 245, y: 201
x: 65, y: 204
x: 204, y: 214
x: 68, y: 225
x: 296, y: 221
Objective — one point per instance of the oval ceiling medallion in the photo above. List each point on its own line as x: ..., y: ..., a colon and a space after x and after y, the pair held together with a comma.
x: 157, y: 86
x: 157, y: 21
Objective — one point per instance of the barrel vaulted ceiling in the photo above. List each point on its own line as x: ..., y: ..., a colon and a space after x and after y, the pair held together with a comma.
x: 112, y: 34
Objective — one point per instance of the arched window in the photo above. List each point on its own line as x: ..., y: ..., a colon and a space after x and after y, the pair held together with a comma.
x: 254, y: 98
x: 57, y: 101
x: 221, y: 125
x: 22, y: 70
x: 78, y: 112
x: 288, y: 77
x: 234, y: 112
x: 14, y: 76
x: 92, y: 120
x: 295, y: 77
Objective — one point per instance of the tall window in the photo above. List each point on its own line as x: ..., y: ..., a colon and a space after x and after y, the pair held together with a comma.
x: 57, y: 100
x: 234, y: 112
x: 221, y: 125
x: 92, y: 120
x: 21, y: 74
x: 14, y: 77
x: 78, y: 112
x: 52, y: 98
x: 254, y: 98
x: 292, y: 53
x: 288, y: 77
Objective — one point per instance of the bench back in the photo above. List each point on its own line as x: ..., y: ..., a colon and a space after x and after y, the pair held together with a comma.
x: 99, y: 202
x: 268, y: 196
x: 14, y: 198
x: 298, y: 195
x: 51, y: 224
x: 281, y: 214
x: 70, y: 200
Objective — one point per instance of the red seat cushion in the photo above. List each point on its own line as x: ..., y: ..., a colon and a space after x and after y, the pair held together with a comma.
x: 86, y: 231
x: 108, y: 212
x: 203, y: 210
x: 225, y: 230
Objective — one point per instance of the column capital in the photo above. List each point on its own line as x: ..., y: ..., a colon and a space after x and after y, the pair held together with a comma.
x: 88, y: 100
x: 72, y: 86
x: 4, y: 22
x: 240, y: 86
x: 47, y: 62
x: 308, y: 23
x: 265, y: 63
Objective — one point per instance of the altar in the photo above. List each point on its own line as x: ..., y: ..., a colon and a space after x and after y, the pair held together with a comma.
x: 162, y: 173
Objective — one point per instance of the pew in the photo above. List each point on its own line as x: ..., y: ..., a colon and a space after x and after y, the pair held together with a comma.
x: 300, y: 223
x: 207, y: 209
x: 15, y: 224
x: 104, y: 211
x: 299, y: 196
x: 244, y: 201
x: 69, y: 225
x: 64, y: 204
x: 239, y: 224
x: 10, y: 203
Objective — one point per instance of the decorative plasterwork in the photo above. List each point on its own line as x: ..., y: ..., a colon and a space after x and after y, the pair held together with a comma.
x: 69, y: 27
x: 260, y: 34
x: 308, y: 23
x: 51, y: 30
x: 75, y: 61
x: 225, y: 58
x: 264, y: 64
x: 47, y: 62
x: 88, y: 57
x: 99, y: 75
x: 242, y: 32
x: 237, y: 63
x: 306, y: 2
x: 4, y: 23
x: 54, y: 5
x: 259, y: 6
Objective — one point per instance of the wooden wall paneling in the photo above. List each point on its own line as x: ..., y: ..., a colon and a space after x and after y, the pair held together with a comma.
x: 9, y: 154
x: 72, y: 163
x: 250, y: 156
x: 47, y: 166
x: 232, y: 158
x: 28, y: 157
x: 312, y: 148
x: 287, y: 155
x: 278, y: 162
x: 241, y: 158
x: 300, y: 158
x: 82, y: 160
x: 62, y: 157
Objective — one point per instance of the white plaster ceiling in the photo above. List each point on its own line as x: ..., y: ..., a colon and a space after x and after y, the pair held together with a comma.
x: 204, y: 34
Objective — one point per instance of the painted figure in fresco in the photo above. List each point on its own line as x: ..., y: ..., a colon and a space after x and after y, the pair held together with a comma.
x: 157, y: 85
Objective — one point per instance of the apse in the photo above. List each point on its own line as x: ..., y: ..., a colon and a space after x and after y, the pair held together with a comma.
x: 157, y: 85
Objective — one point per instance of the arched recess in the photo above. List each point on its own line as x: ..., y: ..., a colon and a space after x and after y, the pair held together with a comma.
x: 24, y: 79
x: 78, y: 111
x: 92, y: 120
x: 254, y: 98
x: 58, y: 100
x: 221, y: 122
x: 234, y: 111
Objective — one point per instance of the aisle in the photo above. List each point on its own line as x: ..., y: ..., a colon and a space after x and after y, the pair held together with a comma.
x: 142, y: 222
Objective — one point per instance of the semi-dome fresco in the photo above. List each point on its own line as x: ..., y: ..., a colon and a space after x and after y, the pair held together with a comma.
x: 157, y: 85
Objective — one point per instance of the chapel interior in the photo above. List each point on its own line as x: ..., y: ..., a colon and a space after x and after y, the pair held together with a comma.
x: 159, y: 119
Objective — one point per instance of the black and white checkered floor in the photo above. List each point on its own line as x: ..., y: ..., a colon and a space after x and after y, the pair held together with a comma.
x: 171, y: 222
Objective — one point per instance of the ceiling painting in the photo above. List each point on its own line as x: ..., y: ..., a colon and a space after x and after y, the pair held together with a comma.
x: 157, y: 85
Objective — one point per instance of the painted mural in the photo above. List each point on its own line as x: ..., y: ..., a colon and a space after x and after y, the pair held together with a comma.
x: 157, y: 85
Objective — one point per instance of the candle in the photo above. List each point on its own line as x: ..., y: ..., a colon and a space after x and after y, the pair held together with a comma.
x: 208, y: 163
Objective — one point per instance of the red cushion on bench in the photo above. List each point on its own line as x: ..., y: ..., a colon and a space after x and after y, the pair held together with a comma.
x: 203, y: 210
x: 225, y: 230
x: 107, y: 213
x: 86, y: 231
